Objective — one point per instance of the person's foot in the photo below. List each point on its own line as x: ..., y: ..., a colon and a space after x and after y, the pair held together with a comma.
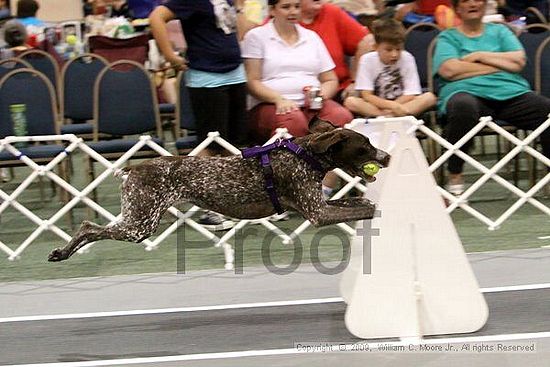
x: 455, y: 184
x: 4, y: 174
x: 215, y: 222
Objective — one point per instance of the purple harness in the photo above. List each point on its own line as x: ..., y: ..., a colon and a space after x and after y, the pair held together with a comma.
x: 263, y: 153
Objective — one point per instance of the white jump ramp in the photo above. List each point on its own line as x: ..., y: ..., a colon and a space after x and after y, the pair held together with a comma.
x: 412, y: 278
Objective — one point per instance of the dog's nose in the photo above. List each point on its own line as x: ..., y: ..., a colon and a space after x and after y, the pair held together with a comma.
x: 383, y: 157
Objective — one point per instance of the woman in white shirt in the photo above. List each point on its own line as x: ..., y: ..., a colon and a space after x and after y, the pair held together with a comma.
x: 281, y: 58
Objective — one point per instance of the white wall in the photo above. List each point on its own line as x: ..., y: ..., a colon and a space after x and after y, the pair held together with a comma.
x: 57, y: 10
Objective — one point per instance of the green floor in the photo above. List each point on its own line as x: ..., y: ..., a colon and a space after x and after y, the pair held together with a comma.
x: 522, y: 230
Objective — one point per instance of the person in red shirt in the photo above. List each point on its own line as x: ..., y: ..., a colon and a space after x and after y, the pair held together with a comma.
x: 422, y: 8
x: 342, y: 35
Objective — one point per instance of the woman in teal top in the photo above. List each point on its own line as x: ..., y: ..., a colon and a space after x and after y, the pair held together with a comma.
x: 476, y: 67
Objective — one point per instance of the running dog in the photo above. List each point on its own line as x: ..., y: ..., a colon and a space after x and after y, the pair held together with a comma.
x: 236, y: 186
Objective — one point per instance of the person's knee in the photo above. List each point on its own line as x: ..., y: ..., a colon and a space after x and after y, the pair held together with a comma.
x: 351, y: 103
x: 461, y: 102
x: 295, y: 122
x: 341, y: 116
x: 336, y: 113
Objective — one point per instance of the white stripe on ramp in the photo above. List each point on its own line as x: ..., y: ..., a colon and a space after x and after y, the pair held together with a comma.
x: 231, y: 306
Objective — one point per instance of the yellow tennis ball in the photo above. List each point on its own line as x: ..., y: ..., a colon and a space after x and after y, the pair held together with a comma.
x: 371, y: 169
x: 71, y: 39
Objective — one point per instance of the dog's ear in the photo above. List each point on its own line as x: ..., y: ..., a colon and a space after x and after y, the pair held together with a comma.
x: 321, y: 143
x: 317, y: 125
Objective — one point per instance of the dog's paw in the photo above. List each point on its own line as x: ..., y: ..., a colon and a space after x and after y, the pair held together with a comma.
x: 58, y: 255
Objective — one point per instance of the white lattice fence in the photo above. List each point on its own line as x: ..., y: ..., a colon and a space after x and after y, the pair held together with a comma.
x: 74, y: 143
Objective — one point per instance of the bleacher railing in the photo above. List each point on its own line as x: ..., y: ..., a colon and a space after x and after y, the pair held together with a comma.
x: 82, y: 196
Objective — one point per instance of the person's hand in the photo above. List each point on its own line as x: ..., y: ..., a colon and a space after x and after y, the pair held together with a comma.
x: 399, y: 110
x: 473, y: 57
x: 349, y: 91
x: 284, y: 105
x: 177, y: 62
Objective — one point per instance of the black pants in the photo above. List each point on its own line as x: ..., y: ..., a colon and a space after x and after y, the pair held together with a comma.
x: 526, y: 111
x: 221, y: 109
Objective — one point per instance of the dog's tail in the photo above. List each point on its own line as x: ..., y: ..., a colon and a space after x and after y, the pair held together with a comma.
x: 122, y: 173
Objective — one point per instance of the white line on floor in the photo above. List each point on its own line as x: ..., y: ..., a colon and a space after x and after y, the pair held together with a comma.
x: 231, y: 306
x: 288, y: 351
x: 172, y: 310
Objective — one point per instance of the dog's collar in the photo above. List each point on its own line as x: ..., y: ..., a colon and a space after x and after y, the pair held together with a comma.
x: 263, y: 153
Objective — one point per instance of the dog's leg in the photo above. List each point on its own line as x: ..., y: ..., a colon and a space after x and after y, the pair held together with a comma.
x: 349, y: 202
x: 88, y: 232
x: 142, y: 211
x: 337, y: 211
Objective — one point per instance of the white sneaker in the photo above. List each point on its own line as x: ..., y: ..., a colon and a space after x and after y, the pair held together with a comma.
x: 455, y: 189
x: 215, y: 222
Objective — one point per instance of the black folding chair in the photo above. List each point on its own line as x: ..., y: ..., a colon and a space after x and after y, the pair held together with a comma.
x: 76, y: 96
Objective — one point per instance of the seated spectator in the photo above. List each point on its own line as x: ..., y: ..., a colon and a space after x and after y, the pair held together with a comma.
x: 424, y: 11
x: 477, y: 67
x: 26, y: 13
x: 281, y: 58
x: 388, y: 79
x: 15, y: 36
x: 343, y: 37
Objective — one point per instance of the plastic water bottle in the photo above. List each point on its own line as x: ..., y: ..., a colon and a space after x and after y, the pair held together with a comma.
x: 19, y: 120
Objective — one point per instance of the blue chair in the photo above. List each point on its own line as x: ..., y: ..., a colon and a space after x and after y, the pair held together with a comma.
x: 417, y: 41
x: 542, y: 87
x: 43, y: 62
x: 542, y: 69
x: 76, y: 97
x: 10, y: 64
x: 531, y: 39
x: 125, y: 105
x: 34, y: 90
x: 185, y: 119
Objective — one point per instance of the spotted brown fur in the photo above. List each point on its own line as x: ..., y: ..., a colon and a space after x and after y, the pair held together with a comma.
x: 234, y: 186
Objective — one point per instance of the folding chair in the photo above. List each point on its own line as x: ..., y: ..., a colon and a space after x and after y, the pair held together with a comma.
x: 10, y: 64
x: 76, y: 95
x: 34, y: 90
x: 43, y: 62
x: 417, y: 41
x: 531, y: 39
x: 125, y: 105
x: 535, y: 16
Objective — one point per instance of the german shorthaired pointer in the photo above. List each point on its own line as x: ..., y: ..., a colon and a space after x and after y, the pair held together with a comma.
x: 235, y: 186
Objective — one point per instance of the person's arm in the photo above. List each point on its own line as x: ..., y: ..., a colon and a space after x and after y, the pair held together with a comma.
x: 260, y: 91
x: 405, y: 98
x: 455, y: 69
x: 366, y: 45
x: 157, y: 21
x: 512, y: 61
x: 329, y: 84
